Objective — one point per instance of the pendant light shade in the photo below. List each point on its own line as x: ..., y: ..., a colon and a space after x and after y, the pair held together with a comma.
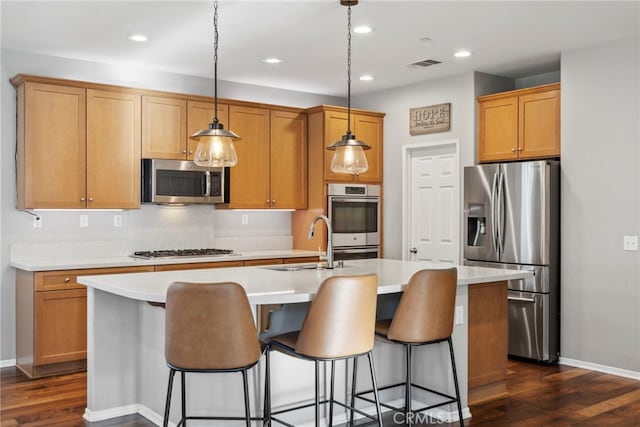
x: 215, y: 144
x: 349, y: 156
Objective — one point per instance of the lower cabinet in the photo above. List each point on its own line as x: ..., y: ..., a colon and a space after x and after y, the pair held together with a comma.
x: 51, y: 320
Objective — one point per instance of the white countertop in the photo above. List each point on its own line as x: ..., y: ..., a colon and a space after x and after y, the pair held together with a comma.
x: 70, y: 263
x: 265, y: 286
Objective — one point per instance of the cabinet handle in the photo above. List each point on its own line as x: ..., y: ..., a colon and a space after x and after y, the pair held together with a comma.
x: 273, y: 202
x: 82, y: 199
x: 519, y: 148
x: 513, y: 150
x: 67, y: 280
x: 267, y: 201
x: 90, y: 199
x: 184, y: 151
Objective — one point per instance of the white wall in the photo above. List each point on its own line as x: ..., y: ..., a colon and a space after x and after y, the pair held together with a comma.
x: 151, y: 227
x: 601, y: 203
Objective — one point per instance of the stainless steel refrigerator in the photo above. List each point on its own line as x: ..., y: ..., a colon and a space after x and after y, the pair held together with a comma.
x: 512, y: 220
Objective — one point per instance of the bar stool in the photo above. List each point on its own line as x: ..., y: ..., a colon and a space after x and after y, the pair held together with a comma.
x: 209, y: 329
x: 339, y: 325
x: 424, y: 316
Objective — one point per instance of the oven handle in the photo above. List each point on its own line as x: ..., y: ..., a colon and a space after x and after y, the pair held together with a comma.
x: 356, y: 200
x: 521, y: 299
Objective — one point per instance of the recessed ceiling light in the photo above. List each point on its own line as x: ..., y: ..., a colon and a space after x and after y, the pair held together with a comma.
x: 272, y: 60
x: 425, y: 39
x: 138, y: 38
x: 462, y: 54
x: 362, y: 29
x: 366, y: 78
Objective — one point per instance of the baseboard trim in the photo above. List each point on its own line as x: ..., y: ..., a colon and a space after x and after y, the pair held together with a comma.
x: 105, y: 414
x: 600, y: 368
x: 7, y: 363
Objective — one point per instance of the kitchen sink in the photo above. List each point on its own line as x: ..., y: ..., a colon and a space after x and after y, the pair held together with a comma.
x: 296, y: 267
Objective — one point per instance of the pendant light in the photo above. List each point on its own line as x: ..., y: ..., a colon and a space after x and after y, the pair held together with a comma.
x: 349, y: 156
x: 215, y: 144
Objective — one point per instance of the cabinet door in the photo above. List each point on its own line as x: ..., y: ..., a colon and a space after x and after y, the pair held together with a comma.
x: 60, y: 326
x: 539, y: 124
x: 335, y: 125
x: 199, y: 115
x: 369, y: 130
x: 51, y: 146
x: 164, y: 128
x: 498, y: 129
x: 113, y: 150
x: 250, y: 177
x: 288, y: 152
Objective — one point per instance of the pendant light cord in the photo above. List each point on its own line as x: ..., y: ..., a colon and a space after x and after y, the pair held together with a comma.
x: 215, y: 62
x: 349, y: 70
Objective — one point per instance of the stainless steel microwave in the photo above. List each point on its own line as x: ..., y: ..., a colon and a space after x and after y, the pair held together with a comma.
x: 183, y: 182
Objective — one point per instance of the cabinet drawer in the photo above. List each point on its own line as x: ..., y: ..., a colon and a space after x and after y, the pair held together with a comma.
x: 254, y: 262
x: 67, y: 279
x: 198, y: 265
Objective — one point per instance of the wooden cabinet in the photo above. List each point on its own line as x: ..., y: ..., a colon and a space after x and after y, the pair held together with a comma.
x: 199, y: 115
x: 76, y: 147
x: 197, y: 265
x: 272, y: 159
x: 328, y: 124
x: 164, y: 128
x: 521, y: 124
x: 51, y: 320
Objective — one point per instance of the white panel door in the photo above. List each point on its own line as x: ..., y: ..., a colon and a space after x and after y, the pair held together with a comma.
x: 433, y: 204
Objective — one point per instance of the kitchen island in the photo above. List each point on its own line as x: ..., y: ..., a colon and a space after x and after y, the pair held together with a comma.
x: 127, y: 372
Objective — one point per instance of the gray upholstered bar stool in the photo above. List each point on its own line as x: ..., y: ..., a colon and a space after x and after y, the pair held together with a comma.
x: 209, y: 329
x: 339, y: 325
x: 424, y: 316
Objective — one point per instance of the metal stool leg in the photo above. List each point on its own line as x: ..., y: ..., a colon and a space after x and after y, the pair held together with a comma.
x: 407, y: 396
x: 353, y: 388
x: 317, y: 393
x: 267, y: 389
x: 184, y: 398
x: 167, y: 404
x: 247, y: 410
x: 375, y: 389
x: 331, y: 394
x: 455, y: 381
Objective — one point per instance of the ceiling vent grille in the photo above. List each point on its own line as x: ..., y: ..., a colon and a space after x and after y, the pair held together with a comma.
x: 426, y: 63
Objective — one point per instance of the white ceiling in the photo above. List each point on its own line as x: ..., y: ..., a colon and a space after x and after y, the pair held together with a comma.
x: 508, y: 38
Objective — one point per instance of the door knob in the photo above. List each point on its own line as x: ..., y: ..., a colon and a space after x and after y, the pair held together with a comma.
x: 413, y: 250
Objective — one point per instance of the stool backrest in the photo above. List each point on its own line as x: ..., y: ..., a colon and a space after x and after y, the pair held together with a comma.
x: 341, y: 318
x: 209, y: 326
x: 426, y: 309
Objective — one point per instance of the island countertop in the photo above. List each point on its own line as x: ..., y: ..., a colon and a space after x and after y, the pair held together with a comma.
x: 265, y: 286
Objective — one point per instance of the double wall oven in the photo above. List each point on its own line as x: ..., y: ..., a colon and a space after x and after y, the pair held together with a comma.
x: 354, y: 211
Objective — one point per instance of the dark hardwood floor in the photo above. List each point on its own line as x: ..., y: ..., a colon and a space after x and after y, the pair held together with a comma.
x: 539, y: 395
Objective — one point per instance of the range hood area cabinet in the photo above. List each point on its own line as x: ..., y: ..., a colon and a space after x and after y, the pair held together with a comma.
x: 272, y: 158
x: 520, y: 124
x: 77, y: 146
x: 328, y: 123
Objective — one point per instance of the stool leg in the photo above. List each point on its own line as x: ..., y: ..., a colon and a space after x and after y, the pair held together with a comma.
x: 407, y: 394
x: 455, y: 382
x: 247, y: 410
x: 267, y: 389
x: 167, y: 404
x: 331, y: 394
x: 375, y: 388
x: 353, y: 388
x: 184, y: 398
x: 317, y: 393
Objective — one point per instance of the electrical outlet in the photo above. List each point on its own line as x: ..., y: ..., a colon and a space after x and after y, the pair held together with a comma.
x: 459, y: 315
x: 84, y: 221
x: 37, y: 222
x: 630, y: 243
x: 117, y: 221
x: 245, y: 219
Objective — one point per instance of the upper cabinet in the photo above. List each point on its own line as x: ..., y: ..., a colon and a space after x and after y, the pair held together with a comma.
x: 520, y: 124
x: 272, y: 159
x: 327, y: 124
x: 164, y: 128
x: 199, y: 115
x: 76, y: 147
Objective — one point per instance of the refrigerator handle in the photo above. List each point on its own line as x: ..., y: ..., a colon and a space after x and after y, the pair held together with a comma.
x: 501, y: 213
x: 494, y: 230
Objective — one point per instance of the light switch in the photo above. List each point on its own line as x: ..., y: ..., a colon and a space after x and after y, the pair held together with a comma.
x: 459, y: 315
x: 84, y: 221
x: 117, y: 221
x: 245, y: 219
x: 630, y: 243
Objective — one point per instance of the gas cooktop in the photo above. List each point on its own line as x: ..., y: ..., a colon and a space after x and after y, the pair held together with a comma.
x: 182, y: 253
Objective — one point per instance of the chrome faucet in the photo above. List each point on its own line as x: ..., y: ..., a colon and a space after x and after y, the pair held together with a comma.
x: 327, y: 221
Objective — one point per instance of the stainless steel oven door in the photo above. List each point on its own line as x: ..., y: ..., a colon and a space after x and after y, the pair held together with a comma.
x: 529, y: 325
x: 355, y: 220
x: 356, y: 253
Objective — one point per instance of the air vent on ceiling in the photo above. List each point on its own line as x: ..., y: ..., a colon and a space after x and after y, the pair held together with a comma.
x: 426, y: 63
